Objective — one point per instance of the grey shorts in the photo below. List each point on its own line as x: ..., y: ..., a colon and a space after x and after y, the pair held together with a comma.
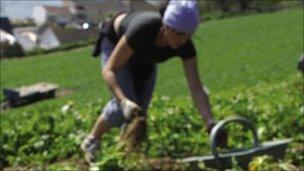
x: 136, y: 80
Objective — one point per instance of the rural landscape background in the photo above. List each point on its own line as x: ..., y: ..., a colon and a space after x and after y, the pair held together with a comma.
x: 248, y: 63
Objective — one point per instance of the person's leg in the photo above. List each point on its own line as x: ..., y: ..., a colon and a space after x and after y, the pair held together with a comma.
x: 100, y: 127
x: 111, y: 114
x: 146, y: 87
x: 91, y: 143
x: 145, y: 92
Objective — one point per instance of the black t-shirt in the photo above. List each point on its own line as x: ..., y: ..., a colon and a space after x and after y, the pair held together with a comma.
x: 141, y: 30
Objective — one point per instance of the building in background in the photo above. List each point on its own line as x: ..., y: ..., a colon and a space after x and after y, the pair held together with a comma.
x: 17, y: 10
x: 97, y: 11
x: 71, y: 22
x: 47, y: 38
x: 6, y: 31
x: 75, y: 12
x: 146, y: 5
x: 51, y: 36
x: 43, y: 14
x: 66, y: 35
x: 26, y: 37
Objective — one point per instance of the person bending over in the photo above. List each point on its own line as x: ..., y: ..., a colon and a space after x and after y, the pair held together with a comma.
x: 134, y: 43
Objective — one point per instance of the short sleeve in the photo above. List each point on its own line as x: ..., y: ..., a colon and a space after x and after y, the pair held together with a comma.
x: 187, y: 50
x: 135, y: 35
x: 141, y: 29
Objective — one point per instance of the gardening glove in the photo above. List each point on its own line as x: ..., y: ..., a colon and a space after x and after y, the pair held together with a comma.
x: 129, y: 108
x: 222, y: 136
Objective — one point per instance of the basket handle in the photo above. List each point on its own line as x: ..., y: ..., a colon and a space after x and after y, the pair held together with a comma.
x: 240, y: 120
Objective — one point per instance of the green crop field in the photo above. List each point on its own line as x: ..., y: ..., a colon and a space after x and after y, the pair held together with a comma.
x: 248, y: 64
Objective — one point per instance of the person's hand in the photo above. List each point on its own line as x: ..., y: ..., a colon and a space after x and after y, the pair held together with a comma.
x: 129, y: 108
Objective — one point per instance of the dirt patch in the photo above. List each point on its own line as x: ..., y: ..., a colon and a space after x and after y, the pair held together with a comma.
x: 18, y: 168
x: 134, y: 134
x: 64, y: 92
x: 132, y: 137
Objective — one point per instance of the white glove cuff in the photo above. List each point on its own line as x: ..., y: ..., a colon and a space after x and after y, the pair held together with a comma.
x: 128, y: 108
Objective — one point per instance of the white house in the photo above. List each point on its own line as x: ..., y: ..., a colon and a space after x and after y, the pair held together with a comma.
x: 99, y: 10
x: 47, y: 38
x: 50, y: 36
x: 6, y: 31
x: 96, y: 10
x: 26, y: 37
x: 32, y: 37
x: 6, y: 37
x: 42, y: 14
x: 89, y: 11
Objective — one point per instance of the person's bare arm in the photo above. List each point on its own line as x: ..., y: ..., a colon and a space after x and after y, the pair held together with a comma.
x: 120, y: 55
x: 199, y: 95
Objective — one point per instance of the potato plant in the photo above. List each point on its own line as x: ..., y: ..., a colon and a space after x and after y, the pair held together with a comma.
x: 175, y: 130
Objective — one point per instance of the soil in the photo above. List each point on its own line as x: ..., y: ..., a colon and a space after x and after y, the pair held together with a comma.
x: 64, y: 92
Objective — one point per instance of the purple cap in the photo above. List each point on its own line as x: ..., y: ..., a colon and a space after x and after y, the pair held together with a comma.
x: 182, y: 15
